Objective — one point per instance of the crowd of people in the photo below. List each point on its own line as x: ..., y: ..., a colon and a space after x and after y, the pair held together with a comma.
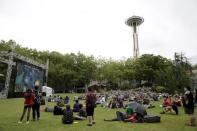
x: 135, y: 102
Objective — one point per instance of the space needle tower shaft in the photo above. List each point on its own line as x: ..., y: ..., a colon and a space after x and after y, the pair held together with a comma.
x: 134, y: 22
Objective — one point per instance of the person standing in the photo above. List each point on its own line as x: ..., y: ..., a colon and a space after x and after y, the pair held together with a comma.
x: 196, y: 97
x: 189, y: 106
x: 29, y: 98
x: 36, y: 105
x: 90, y: 105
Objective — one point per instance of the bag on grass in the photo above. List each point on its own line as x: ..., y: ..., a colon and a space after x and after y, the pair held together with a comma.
x: 151, y: 119
x: 49, y: 109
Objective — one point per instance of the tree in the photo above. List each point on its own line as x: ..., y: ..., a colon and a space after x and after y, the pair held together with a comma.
x: 147, y: 66
x: 68, y: 71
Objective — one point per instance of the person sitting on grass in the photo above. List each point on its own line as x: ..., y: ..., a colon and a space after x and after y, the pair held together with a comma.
x: 123, y: 116
x: 82, y: 115
x: 169, y: 106
x: 76, y: 98
x: 66, y: 100
x: 139, y: 111
x: 120, y: 103
x: 112, y: 104
x: 60, y: 102
x: 76, y: 106
x: 56, y: 98
x: 178, y: 100
x: 57, y: 110
x: 67, y: 115
x: 49, y: 99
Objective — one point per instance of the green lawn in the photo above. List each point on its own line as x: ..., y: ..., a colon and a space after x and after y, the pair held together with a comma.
x: 11, y: 109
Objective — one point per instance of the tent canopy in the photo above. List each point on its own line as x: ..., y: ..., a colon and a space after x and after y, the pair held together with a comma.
x: 47, y: 90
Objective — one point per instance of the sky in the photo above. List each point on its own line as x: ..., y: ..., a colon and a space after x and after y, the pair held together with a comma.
x: 97, y: 27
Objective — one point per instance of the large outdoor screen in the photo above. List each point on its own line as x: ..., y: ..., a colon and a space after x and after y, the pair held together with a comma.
x: 27, y: 76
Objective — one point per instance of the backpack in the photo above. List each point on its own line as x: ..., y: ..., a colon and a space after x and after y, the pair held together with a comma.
x: 49, y: 109
x: 37, y: 99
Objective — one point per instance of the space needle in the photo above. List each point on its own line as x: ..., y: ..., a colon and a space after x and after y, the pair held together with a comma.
x: 134, y: 22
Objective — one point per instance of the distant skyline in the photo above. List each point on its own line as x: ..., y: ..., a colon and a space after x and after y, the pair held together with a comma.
x: 97, y: 27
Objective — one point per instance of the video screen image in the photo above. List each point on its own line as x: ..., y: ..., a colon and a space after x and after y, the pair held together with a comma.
x: 27, y: 76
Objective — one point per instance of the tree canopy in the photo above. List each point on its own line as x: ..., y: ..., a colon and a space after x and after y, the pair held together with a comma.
x: 70, y: 71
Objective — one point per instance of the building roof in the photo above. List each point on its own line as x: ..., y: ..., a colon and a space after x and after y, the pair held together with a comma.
x: 194, y: 72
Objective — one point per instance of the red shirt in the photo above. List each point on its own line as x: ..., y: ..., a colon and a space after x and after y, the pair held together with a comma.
x: 29, y: 98
x: 167, y: 102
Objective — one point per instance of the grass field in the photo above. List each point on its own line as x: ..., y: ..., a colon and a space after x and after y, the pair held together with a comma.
x: 11, y: 109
